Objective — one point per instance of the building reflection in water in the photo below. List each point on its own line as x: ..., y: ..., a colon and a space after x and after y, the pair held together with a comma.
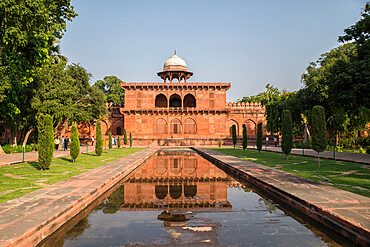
x: 178, y: 185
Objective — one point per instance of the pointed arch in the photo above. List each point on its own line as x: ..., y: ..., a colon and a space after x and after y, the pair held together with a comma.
x: 190, y: 126
x: 175, y: 100
x: 161, y: 100
x: 189, y: 100
x: 175, y: 126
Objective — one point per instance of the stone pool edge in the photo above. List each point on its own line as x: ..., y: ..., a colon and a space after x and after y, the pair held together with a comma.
x: 96, y: 181
x: 292, y: 190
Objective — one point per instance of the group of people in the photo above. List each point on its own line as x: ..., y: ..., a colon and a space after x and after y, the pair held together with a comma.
x: 275, y: 141
x: 63, y: 142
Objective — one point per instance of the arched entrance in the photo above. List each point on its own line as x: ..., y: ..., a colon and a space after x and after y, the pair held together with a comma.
x: 161, y: 100
x: 229, y: 125
x: 189, y: 100
x: 175, y: 126
x: 175, y: 100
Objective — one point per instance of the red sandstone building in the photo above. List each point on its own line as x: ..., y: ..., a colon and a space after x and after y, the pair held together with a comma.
x: 178, y: 112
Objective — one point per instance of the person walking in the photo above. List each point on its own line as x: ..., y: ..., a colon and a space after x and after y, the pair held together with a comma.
x: 92, y: 140
x: 267, y: 142
x: 56, y: 143
x: 275, y: 141
x: 66, y: 144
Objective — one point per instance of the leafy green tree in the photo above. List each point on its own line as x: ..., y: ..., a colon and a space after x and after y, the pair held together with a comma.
x: 245, y: 137
x: 45, y: 140
x: 318, y: 130
x: 124, y: 137
x: 130, y: 140
x: 75, y: 142
x: 110, y: 140
x: 271, y: 94
x: 99, y: 140
x: 26, y: 28
x: 118, y: 142
x: 287, y: 133
x: 235, y: 138
x: 111, y: 86
x: 259, y: 137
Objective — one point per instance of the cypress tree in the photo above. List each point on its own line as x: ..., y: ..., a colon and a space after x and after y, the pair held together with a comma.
x: 259, y: 137
x: 235, y: 138
x: 99, y: 140
x: 286, y: 132
x: 124, y: 137
x: 118, y: 142
x: 245, y: 138
x: 75, y: 142
x: 318, y: 130
x: 45, y: 140
x: 110, y: 140
x: 130, y: 140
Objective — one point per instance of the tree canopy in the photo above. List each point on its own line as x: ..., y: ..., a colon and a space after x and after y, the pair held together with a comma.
x: 111, y: 86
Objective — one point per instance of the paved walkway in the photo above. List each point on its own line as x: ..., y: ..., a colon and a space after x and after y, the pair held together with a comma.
x: 9, y: 159
x: 342, y: 156
x: 344, y: 212
x: 26, y: 220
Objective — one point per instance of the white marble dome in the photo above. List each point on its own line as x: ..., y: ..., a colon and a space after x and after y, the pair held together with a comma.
x: 175, y: 62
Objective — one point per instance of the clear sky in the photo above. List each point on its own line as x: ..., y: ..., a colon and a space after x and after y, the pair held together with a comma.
x: 246, y: 42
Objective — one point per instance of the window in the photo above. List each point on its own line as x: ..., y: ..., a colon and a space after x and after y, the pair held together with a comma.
x: 118, y: 131
x: 161, y: 126
x: 175, y: 100
x: 189, y: 100
x: 161, y: 101
x: 190, y: 126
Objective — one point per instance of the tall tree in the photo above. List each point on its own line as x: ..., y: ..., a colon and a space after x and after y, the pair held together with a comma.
x: 26, y: 29
x: 245, y: 137
x: 130, y: 139
x: 318, y: 130
x: 99, y: 140
x: 45, y: 140
x: 111, y: 86
x: 75, y: 142
x: 124, y: 137
x: 259, y: 137
x: 287, y: 133
x: 110, y: 140
x: 118, y: 142
x: 235, y: 138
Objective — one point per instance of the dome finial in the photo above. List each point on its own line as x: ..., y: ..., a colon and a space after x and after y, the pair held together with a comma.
x: 175, y: 52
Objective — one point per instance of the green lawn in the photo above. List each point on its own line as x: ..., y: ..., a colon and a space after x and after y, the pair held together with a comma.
x: 20, y: 179
x: 344, y: 175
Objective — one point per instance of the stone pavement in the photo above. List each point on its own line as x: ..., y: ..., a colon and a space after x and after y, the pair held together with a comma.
x: 26, y: 220
x: 344, y: 212
x: 342, y: 156
x: 9, y: 159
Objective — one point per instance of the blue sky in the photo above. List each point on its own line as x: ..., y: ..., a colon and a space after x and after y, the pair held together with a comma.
x: 248, y: 43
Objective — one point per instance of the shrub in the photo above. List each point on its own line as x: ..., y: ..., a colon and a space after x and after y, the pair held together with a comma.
x: 361, y: 150
x: 245, y: 138
x: 19, y: 149
x: 110, y: 140
x: 28, y: 148
x: 8, y: 149
x: 124, y: 137
x: 99, y: 140
x: 368, y: 150
x: 130, y: 140
x: 35, y: 147
x: 235, y: 138
x: 363, y: 141
x: 75, y: 143
x: 45, y: 140
x: 118, y: 142
x: 286, y: 132
x: 219, y: 143
x: 259, y: 137
x: 318, y: 130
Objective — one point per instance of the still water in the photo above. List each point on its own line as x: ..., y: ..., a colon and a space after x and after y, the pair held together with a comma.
x: 177, y: 198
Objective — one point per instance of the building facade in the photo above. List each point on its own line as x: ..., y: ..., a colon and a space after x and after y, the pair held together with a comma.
x: 182, y: 112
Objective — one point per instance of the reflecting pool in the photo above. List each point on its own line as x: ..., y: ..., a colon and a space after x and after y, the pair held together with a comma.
x: 177, y: 198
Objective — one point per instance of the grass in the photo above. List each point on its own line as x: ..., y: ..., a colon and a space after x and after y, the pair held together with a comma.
x: 20, y: 179
x: 344, y: 175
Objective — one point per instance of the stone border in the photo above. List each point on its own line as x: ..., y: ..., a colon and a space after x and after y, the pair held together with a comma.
x: 27, y: 220
x: 343, y: 212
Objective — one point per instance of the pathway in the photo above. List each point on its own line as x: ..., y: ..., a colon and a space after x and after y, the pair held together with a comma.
x: 342, y: 156
x: 26, y: 220
x: 9, y: 159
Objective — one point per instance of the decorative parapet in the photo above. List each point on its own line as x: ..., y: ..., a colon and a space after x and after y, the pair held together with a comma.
x: 173, y: 85
x: 244, y: 105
